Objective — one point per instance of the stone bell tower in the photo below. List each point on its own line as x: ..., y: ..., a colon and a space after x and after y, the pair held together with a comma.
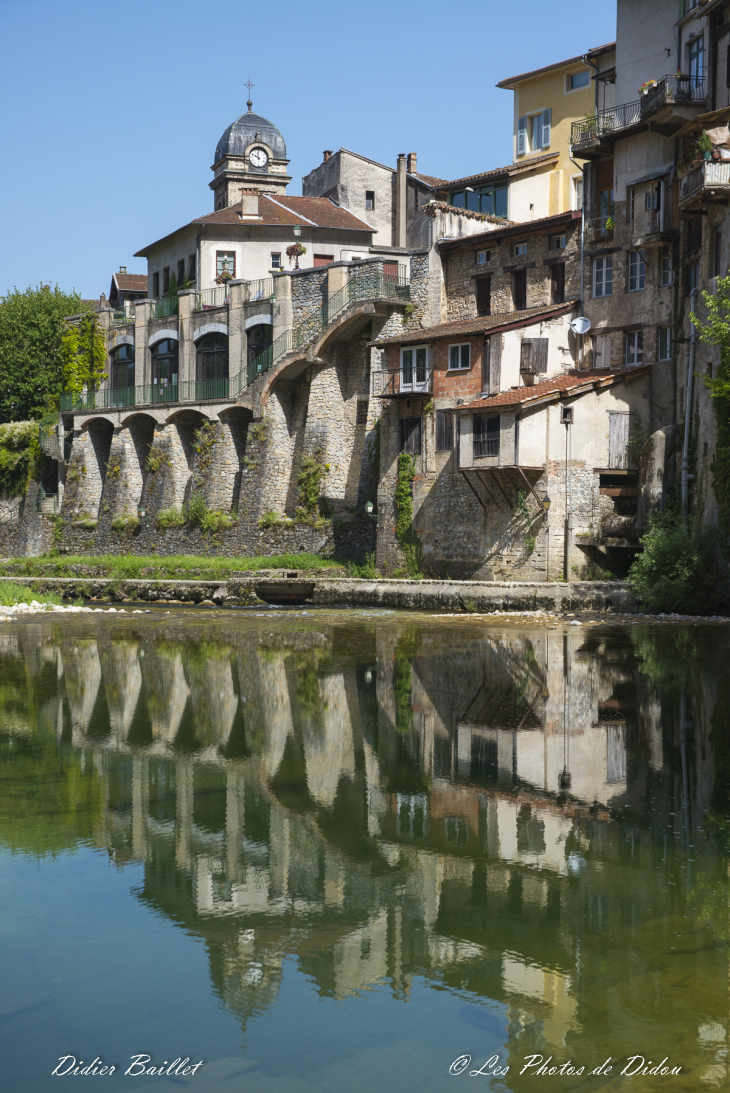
x: 251, y: 154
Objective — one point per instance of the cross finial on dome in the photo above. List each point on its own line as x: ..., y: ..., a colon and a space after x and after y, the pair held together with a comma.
x: 249, y: 85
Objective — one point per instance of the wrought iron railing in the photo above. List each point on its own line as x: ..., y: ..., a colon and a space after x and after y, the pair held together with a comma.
x: 673, y: 89
x: 150, y: 394
x: 122, y: 315
x: 705, y: 176
x: 165, y: 307
x: 605, y: 123
x: 211, y: 297
x: 48, y: 503
x: 599, y: 229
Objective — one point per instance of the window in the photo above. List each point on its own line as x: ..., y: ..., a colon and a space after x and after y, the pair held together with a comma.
x: 165, y: 279
x: 459, y: 357
x: 485, y: 434
x: 694, y: 234
x: 192, y: 269
x: 276, y: 259
x: 444, y: 430
x: 556, y: 242
x: 370, y: 199
x: 533, y: 356
x: 164, y: 371
x: 361, y: 417
x: 579, y: 79
x: 490, y: 199
x: 414, y: 368
x: 603, y: 276
x: 483, y: 256
x: 181, y: 273
x: 664, y: 343
x: 718, y: 252
x: 648, y: 202
x: 212, y: 363
x: 696, y: 55
x: 635, y: 347
x: 122, y: 367
x: 155, y: 285
x: 410, y: 435
x: 225, y: 262
x: 519, y: 289
x: 518, y: 249
x: 536, y: 129
x: 637, y: 270
x: 666, y: 266
x: 578, y: 193
x: 484, y: 296
x: 259, y: 339
x: 557, y: 283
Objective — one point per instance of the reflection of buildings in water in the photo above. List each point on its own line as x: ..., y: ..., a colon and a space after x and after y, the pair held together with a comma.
x: 459, y: 825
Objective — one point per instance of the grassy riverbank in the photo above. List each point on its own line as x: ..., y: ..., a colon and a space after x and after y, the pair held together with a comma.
x: 12, y: 594
x: 177, y: 567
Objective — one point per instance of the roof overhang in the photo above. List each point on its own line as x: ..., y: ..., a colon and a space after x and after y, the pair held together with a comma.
x: 438, y: 333
x: 558, y: 394
x: 527, y: 227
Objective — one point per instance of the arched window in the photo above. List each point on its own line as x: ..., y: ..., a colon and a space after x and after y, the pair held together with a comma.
x: 259, y: 340
x: 164, y: 371
x: 212, y: 366
x: 122, y: 376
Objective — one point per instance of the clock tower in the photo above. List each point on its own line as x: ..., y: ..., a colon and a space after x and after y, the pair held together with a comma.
x: 251, y: 155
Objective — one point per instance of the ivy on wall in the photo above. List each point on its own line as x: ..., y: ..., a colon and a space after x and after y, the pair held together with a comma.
x: 312, y: 471
x: 409, y: 541
x: 83, y: 350
x: 18, y: 440
x: 715, y: 330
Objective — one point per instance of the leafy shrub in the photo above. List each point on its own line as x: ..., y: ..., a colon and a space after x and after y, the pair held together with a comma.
x: 217, y: 520
x: 125, y: 523
x: 196, y: 510
x: 367, y: 570
x: 272, y: 519
x: 88, y: 523
x: 17, y: 438
x: 170, y: 518
x: 679, y: 572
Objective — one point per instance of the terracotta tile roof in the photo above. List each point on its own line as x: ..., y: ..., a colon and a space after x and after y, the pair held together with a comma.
x: 550, y: 390
x: 430, y: 180
x: 511, y: 319
x: 131, y: 282
x: 509, y: 227
x: 549, y: 68
x: 319, y: 212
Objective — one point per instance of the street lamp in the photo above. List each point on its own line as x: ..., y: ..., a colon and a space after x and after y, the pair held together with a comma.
x: 546, y: 503
x: 298, y: 230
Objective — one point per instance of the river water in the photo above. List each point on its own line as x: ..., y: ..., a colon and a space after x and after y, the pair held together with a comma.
x: 363, y: 850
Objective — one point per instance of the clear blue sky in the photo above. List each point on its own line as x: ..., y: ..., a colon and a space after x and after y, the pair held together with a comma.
x: 111, y: 112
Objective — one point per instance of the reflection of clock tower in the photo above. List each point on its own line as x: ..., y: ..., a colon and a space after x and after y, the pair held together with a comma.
x: 251, y: 154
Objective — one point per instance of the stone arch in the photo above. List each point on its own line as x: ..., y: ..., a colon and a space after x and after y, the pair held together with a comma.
x: 210, y: 328
x: 160, y: 335
x: 123, y: 339
x: 183, y: 426
x: 234, y: 424
x: 259, y: 320
x: 99, y: 434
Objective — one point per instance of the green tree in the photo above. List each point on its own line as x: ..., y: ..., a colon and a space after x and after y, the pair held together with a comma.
x: 31, y: 351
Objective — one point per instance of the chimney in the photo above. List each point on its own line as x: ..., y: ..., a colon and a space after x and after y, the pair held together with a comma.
x: 249, y: 203
x: 412, y: 169
x: 327, y: 154
x: 122, y: 269
x: 400, y: 201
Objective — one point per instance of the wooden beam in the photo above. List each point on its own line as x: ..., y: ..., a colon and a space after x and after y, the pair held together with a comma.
x: 466, y: 478
x: 499, y: 484
x: 530, y: 488
x: 486, y: 487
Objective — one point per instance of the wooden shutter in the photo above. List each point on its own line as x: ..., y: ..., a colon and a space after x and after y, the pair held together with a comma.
x: 495, y: 363
x: 540, y: 354
x: 521, y: 136
x: 486, y: 354
x: 619, y: 427
x: 546, y: 115
x: 390, y: 271
x: 444, y: 430
x: 527, y: 358
x: 410, y: 435
x: 323, y: 259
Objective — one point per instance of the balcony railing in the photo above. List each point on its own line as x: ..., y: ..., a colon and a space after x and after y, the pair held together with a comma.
x: 165, y: 307
x: 258, y: 290
x: 705, y: 176
x: 604, y: 124
x: 599, y: 229
x: 150, y: 394
x: 122, y: 315
x: 211, y: 297
x: 673, y: 89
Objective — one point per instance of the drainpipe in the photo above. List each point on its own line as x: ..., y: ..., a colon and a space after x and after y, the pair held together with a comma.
x: 686, y: 476
x: 591, y: 64
x: 400, y: 202
x: 582, y: 237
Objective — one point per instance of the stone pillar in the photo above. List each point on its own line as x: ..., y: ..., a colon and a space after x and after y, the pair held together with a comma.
x: 337, y: 277
x: 186, y: 345
x: 220, y: 478
x: 236, y: 332
x: 283, y: 310
x: 142, y: 357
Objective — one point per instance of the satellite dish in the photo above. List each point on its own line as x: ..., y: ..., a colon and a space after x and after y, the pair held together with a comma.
x: 581, y: 325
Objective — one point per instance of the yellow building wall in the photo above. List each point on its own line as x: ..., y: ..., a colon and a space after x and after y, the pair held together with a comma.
x: 548, y: 92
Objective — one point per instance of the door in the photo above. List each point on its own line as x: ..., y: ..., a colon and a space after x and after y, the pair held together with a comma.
x: 619, y: 428
x: 519, y: 290
x: 557, y: 283
x: 484, y: 296
x: 410, y: 435
x: 390, y: 272
x: 164, y: 371
x: 259, y: 348
x: 602, y: 351
x: 414, y: 369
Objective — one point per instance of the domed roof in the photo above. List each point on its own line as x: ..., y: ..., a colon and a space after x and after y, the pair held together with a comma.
x: 246, y: 130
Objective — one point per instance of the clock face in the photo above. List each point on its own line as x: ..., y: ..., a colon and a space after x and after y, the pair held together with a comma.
x: 258, y: 157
